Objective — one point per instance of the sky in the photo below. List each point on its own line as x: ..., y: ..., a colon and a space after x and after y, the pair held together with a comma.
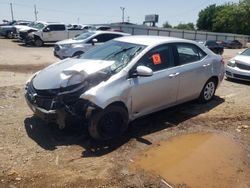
x: 106, y: 11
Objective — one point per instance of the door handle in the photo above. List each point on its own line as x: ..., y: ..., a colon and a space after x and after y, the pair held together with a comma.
x: 173, y: 75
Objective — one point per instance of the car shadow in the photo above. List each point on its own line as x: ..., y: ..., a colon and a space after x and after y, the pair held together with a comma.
x: 49, y: 137
x: 238, y: 81
x: 32, y: 46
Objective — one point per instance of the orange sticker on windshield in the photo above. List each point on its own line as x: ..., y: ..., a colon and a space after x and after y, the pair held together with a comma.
x: 156, y: 59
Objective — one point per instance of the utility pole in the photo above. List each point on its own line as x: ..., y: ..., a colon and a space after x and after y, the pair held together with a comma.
x: 11, y: 9
x: 123, y: 9
x: 128, y: 19
x: 36, y: 12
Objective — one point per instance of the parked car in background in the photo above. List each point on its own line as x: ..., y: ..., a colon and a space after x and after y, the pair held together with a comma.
x: 234, y: 44
x: 6, y: 22
x: 239, y: 66
x: 8, y: 30
x: 102, y: 28
x: 78, y: 27
x: 22, y: 33
x: 17, y: 28
x: 122, y: 80
x: 214, y: 46
x: 51, y: 33
x: 84, y: 42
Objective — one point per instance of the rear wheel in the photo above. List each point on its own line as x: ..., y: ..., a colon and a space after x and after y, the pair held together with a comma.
x: 76, y: 54
x: 208, y: 90
x: 38, y: 42
x: 108, y: 123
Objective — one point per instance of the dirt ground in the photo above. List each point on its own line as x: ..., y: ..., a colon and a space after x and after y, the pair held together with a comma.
x: 34, y: 154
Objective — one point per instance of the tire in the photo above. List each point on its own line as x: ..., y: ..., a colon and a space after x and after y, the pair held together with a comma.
x: 208, y: 91
x: 109, y: 123
x: 38, y: 42
x: 77, y: 54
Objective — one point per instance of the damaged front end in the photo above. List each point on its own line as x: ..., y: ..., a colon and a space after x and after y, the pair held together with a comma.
x: 62, y: 106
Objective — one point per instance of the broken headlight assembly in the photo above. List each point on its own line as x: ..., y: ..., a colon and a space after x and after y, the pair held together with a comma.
x: 231, y: 63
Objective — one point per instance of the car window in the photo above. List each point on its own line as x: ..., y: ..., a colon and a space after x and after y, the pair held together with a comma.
x: 158, y: 58
x: 56, y: 27
x: 189, y: 53
x: 106, y: 37
x: 211, y: 43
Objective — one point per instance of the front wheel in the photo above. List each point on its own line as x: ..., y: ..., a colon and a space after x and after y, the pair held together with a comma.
x: 38, y: 42
x: 108, y: 123
x: 208, y: 91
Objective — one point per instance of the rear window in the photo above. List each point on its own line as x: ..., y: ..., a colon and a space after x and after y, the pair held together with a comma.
x: 189, y: 53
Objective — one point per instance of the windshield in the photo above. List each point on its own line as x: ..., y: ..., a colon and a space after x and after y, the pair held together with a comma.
x: 31, y: 24
x: 39, y: 26
x: 246, y: 52
x: 84, y: 36
x: 121, y: 53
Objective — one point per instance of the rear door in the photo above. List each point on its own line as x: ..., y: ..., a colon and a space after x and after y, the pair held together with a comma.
x: 195, y: 70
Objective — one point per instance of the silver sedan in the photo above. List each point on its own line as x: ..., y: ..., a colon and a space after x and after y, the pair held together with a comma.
x: 124, y: 79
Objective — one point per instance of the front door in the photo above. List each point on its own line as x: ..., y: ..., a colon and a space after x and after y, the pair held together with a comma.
x: 160, y: 90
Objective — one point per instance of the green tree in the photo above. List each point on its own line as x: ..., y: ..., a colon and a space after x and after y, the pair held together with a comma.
x: 206, y: 16
x: 228, y: 18
x: 188, y: 26
x: 167, y: 25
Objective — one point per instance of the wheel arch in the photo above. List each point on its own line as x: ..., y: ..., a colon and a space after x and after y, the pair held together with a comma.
x: 118, y: 103
x: 216, y: 79
x: 37, y: 37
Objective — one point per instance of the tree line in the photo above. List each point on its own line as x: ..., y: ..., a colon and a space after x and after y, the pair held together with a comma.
x: 227, y: 18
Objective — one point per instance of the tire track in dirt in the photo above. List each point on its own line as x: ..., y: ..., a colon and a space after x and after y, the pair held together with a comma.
x: 24, y: 68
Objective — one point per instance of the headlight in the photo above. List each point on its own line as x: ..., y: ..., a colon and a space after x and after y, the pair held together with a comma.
x: 28, y: 81
x: 66, y: 45
x: 231, y: 63
x: 75, y: 79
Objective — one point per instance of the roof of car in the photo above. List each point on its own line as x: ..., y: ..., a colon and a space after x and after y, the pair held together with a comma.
x: 150, y: 40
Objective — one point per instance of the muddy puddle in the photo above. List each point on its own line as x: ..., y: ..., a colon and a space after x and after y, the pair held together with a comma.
x: 197, y: 160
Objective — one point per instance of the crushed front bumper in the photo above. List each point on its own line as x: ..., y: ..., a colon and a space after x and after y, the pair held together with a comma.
x: 55, y: 110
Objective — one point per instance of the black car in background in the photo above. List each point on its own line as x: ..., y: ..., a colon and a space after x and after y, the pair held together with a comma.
x: 234, y: 44
x: 214, y: 46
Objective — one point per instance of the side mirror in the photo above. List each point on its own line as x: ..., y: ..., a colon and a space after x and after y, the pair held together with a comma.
x: 239, y: 53
x: 94, y: 41
x: 46, y: 30
x: 143, y: 71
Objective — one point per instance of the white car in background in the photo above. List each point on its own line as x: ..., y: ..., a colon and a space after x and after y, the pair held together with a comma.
x: 84, y: 42
x: 239, y: 66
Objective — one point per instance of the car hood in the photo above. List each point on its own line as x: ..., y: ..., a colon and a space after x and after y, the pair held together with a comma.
x: 57, y: 75
x: 243, y: 59
x: 69, y: 41
x: 25, y: 29
x: 7, y: 27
